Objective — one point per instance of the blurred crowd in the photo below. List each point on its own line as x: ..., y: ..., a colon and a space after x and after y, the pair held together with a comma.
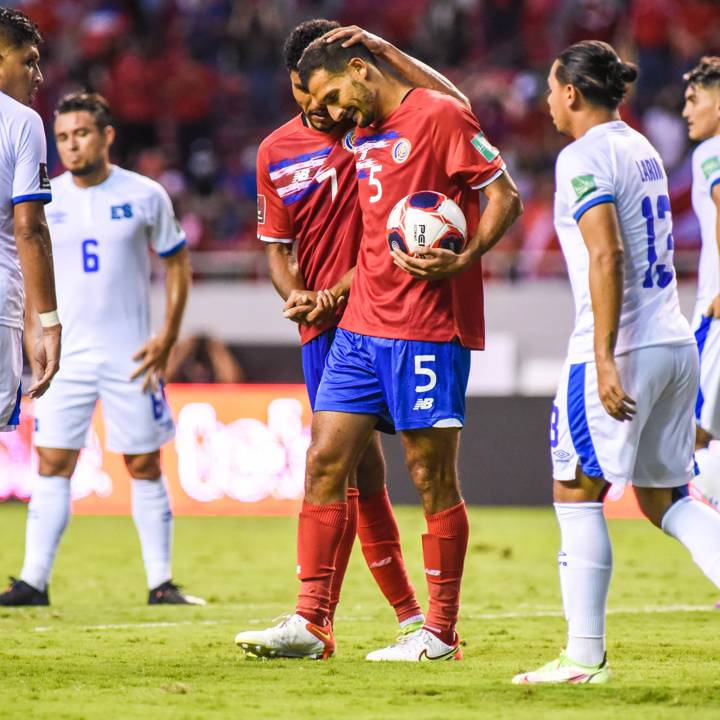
x: 195, y: 85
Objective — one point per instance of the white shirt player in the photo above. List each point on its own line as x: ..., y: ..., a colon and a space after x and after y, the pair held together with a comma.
x: 101, y: 237
x: 23, y: 177
x: 614, y: 163
x: 706, y: 174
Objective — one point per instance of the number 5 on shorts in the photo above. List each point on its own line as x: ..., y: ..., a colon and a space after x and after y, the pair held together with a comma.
x: 426, y: 372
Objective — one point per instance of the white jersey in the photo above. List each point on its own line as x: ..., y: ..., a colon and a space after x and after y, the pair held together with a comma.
x: 706, y: 174
x: 613, y: 163
x: 23, y: 177
x: 101, y: 236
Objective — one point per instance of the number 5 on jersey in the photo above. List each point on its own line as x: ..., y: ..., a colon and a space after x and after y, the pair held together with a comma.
x: 91, y: 261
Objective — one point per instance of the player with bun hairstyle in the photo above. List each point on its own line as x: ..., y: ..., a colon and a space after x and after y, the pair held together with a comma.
x: 702, y: 113
x: 624, y: 407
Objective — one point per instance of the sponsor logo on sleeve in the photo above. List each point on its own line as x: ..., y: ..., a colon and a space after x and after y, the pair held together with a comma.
x: 483, y: 146
x: 710, y: 166
x: 43, y: 177
x: 261, y: 209
x: 583, y: 185
x: 401, y: 150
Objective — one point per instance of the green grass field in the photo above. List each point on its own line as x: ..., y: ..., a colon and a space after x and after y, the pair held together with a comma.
x: 100, y: 652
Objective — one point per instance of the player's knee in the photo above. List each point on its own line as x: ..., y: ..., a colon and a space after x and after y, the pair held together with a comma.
x: 144, y: 467
x: 323, y: 465
x: 55, y: 462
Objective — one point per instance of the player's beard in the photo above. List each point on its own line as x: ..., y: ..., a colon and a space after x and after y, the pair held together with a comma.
x: 87, y: 169
x: 364, y: 104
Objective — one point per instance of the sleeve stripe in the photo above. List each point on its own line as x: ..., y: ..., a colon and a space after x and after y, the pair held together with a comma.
x: 173, y: 250
x: 481, y: 185
x: 267, y: 239
x: 45, y: 197
x: 599, y: 200
x: 714, y: 183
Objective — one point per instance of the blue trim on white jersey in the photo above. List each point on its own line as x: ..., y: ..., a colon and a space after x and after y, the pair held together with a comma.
x: 45, y: 197
x: 15, y: 417
x: 599, y: 200
x: 173, y: 250
x: 700, y: 337
x: 714, y: 183
x: 577, y: 419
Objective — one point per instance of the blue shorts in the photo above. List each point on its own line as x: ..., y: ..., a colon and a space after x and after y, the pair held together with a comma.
x: 412, y: 384
x: 314, y: 354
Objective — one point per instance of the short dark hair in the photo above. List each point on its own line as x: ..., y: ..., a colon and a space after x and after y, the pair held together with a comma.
x: 17, y: 29
x: 332, y: 57
x: 94, y: 103
x: 706, y: 73
x: 595, y: 69
x: 302, y: 36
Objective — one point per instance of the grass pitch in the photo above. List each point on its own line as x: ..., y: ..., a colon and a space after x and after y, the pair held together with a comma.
x: 100, y: 652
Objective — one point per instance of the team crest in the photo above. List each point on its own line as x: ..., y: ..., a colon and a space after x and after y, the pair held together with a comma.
x: 401, y: 150
x: 348, y: 141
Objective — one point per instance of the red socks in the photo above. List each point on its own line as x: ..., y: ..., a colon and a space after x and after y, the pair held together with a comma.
x: 320, y: 533
x: 380, y: 540
x: 444, y: 548
x: 344, y: 549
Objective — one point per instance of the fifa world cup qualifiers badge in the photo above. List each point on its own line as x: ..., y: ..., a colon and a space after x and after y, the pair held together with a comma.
x: 261, y: 209
x: 43, y: 176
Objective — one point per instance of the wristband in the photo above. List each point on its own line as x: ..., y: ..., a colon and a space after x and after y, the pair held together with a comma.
x: 49, y: 319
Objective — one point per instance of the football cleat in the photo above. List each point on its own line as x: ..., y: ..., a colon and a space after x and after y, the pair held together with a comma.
x: 294, y: 637
x: 565, y: 670
x: 19, y: 593
x: 171, y: 594
x: 410, y: 628
x: 417, y: 646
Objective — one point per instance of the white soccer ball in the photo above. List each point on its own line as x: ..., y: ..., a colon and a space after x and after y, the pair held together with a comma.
x: 426, y: 219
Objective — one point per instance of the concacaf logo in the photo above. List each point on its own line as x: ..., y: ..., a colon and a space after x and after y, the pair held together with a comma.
x: 348, y: 141
x: 401, y: 150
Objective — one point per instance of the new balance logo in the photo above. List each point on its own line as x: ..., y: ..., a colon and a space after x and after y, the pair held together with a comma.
x: 424, y: 404
x: 430, y: 571
x: 381, y: 563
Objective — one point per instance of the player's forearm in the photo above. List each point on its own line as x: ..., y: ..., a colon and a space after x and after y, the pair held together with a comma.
x: 419, y: 74
x: 503, y: 208
x: 35, y: 254
x: 31, y: 331
x: 342, y: 287
x: 177, y: 286
x: 606, y: 292
x: 285, y: 274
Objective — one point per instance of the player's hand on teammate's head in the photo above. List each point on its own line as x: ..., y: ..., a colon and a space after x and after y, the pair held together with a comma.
x: 153, y: 357
x: 352, y: 35
x: 46, y: 360
x: 615, y: 400
x: 436, y: 263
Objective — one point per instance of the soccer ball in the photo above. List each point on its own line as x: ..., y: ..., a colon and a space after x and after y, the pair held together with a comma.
x: 426, y: 219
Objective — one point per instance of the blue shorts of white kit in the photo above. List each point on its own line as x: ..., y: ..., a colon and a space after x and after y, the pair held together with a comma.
x: 412, y: 384
x: 314, y: 355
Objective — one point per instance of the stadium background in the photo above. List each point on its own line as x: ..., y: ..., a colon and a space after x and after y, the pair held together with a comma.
x: 195, y: 85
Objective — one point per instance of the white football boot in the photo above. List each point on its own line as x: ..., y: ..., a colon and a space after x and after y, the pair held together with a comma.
x: 417, y: 646
x: 294, y: 637
x: 564, y: 670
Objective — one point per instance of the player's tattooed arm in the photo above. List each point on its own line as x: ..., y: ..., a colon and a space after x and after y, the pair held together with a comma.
x: 32, y: 239
x: 414, y: 71
x: 714, y: 309
x: 503, y: 208
x: 601, y: 232
x: 153, y: 355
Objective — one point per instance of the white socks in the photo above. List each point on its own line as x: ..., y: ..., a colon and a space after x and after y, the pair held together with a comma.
x: 153, y: 520
x: 585, y: 563
x: 48, y: 515
x: 697, y: 527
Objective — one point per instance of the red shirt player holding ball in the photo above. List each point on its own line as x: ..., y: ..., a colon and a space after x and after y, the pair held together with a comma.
x: 408, y: 329
x: 310, y: 222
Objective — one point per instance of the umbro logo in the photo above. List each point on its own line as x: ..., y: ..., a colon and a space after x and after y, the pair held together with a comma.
x: 562, y: 455
x: 57, y: 216
x: 424, y: 404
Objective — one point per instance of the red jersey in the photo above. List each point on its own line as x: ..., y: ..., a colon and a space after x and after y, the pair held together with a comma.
x: 307, y: 194
x: 430, y: 142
